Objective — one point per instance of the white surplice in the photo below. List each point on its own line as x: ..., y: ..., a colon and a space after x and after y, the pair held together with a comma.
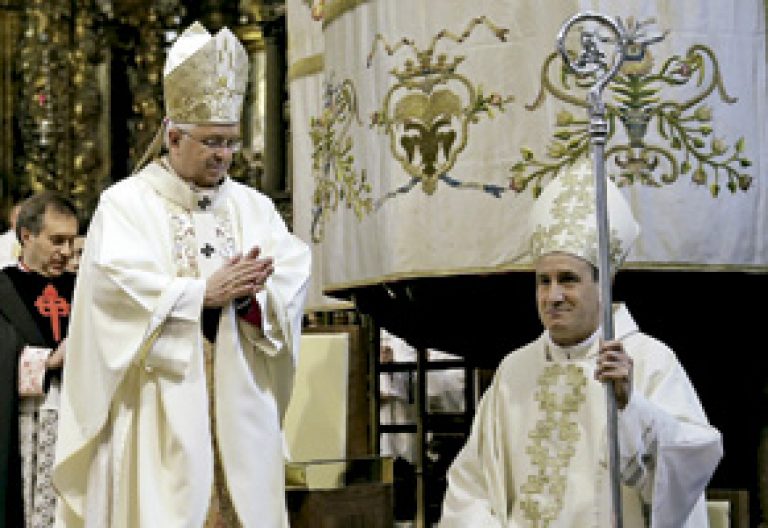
x: 9, y: 248
x: 135, y: 447
x: 537, y: 454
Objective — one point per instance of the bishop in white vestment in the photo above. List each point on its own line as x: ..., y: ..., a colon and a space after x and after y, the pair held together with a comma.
x: 537, y: 455
x: 174, y: 390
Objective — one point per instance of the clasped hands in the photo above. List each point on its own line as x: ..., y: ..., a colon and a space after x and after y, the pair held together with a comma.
x: 242, y: 276
x: 615, y: 365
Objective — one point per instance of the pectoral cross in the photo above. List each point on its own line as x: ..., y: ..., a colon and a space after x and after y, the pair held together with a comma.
x: 51, y: 305
x: 207, y: 250
x: 204, y: 202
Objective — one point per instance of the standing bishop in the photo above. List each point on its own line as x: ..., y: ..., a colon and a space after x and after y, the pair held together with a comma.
x: 185, y: 334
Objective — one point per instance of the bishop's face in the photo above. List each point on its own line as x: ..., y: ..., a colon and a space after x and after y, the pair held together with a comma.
x: 49, y: 251
x: 567, y: 297
x: 203, y: 154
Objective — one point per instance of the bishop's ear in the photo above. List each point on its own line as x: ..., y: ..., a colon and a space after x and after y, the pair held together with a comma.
x: 174, y: 136
x: 26, y: 234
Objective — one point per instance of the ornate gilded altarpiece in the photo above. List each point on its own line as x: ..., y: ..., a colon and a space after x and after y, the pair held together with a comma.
x: 9, y: 32
x: 81, y: 89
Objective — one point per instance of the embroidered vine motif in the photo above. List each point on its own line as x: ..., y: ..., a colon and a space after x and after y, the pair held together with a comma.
x: 224, y: 234
x: 428, y: 111
x: 316, y: 7
x: 336, y: 180
x: 552, y: 444
x: 326, y: 11
x: 684, y: 124
x: 573, y: 225
x: 184, y: 246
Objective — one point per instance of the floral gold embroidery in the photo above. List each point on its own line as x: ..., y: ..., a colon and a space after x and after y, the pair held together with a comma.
x: 185, y: 249
x: 561, y: 393
x: 336, y: 180
x: 684, y: 124
x: 224, y: 234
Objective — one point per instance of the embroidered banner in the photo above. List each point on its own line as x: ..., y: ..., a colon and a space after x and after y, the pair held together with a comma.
x: 421, y: 145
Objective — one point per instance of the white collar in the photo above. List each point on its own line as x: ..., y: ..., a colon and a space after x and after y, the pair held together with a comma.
x: 161, y: 176
x: 578, y: 351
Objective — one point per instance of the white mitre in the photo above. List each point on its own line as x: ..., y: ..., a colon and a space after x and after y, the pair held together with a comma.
x: 205, y: 77
x: 563, y: 218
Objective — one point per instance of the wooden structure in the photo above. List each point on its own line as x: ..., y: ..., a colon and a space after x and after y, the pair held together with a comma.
x: 356, y: 491
x: 737, y: 501
x: 361, y: 497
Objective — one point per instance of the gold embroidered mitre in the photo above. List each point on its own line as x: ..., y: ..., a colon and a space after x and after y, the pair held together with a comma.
x: 563, y: 218
x: 205, y: 76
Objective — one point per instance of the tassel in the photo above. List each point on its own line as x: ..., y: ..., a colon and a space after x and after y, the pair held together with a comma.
x: 154, y: 147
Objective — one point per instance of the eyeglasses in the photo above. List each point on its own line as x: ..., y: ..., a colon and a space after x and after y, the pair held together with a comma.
x: 231, y: 144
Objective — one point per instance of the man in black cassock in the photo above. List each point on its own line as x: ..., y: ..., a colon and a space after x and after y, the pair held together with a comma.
x: 34, y: 314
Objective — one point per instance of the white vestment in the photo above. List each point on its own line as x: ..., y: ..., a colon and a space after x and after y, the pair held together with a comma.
x: 134, y: 447
x: 537, y: 453
x: 9, y: 248
x: 38, y: 421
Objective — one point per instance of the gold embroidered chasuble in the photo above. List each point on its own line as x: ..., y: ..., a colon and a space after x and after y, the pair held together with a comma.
x: 143, y: 430
x: 537, y: 454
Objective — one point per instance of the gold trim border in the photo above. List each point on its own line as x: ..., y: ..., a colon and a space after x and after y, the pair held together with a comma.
x: 336, y: 8
x: 329, y: 307
x: 396, y: 277
x: 631, y: 266
x: 688, y: 266
x: 306, y: 66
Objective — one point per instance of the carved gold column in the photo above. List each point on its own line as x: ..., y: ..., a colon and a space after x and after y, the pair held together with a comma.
x: 89, y: 116
x: 157, y: 24
x: 10, y: 31
x: 248, y: 165
x: 63, y: 120
x: 44, y: 108
x: 146, y: 84
x: 262, y: 30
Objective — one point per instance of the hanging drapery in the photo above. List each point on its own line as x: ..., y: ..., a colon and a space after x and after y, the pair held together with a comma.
x: 435, y: 124
x: 305, y: 78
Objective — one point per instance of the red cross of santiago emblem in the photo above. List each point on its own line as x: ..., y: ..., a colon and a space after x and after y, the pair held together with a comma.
x: 51, y: 305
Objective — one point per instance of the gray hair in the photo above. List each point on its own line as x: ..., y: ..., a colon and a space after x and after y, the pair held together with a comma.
x: 170, y: 125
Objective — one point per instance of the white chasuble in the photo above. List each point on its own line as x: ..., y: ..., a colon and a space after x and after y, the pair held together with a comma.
x: 537, y: 455
x: 135, y: 445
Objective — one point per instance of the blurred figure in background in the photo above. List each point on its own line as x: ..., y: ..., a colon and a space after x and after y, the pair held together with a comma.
x: 396, y: 393
x: 36, y: 297
x: 10, y: 248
